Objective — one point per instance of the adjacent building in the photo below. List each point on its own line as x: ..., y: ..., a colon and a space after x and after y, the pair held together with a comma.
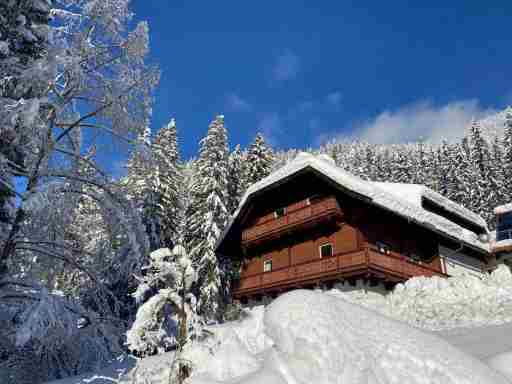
x: 313, y: 224
x: 501, y: 244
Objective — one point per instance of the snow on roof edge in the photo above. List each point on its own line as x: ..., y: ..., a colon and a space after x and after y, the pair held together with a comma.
x: 378, y: 196
x: 500, y: 209
x: 416, y: 192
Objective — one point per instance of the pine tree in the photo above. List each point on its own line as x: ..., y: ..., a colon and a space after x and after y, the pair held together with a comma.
x: 419, y: 174
x: 142, y: 183
x: 169, y: 175
x: 235, y: 178
x: 402, y: 167
x: 370, y: 162
x: 24, y: 81
x: 481, y: 176
x: 209, y: 216
x: 259, y: 161
x: 451, y: 171
x: 498, y: 182
x: 507, y: 151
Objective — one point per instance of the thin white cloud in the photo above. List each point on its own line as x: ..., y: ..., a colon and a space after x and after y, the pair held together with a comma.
x: 234, y: 102
x: 422, y: 120
x: 286, y: 67
x: 270, y: 125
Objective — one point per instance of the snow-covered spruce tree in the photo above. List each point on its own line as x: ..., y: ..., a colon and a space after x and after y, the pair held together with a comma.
x: 507, y: 150
x: 483, y: 198
x: 23, y: 85
x: 208, y: 215
x: 97, y: 89
x: 447, y: 179
x: 168, y: 318
x: 235, y: 178
x: 402, y: 167
x: 259, y: 160
x: 169, y: 174
x: 498, y: 181
x: 143, y: 185
x: 420, y: 171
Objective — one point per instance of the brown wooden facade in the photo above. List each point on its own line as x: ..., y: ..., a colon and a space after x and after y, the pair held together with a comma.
x: 289, y: 224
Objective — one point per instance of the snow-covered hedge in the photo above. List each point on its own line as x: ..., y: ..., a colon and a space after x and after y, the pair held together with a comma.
x: 440, y: 303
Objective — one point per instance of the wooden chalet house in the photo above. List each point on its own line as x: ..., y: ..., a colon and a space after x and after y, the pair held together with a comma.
x: 313, y: 224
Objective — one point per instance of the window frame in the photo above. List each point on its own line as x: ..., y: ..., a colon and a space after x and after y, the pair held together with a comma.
x: 276, y: 215
x: 325, y: 245
x: 265, y: 263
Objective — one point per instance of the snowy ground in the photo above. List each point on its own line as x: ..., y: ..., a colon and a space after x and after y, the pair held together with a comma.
x: 306, y: 337
x: 354, y: 337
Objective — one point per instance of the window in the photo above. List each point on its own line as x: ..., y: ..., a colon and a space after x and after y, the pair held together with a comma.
x: 383, y: 248
x: 280, y: 212
x: 504, y: 228
x: 326, y: 250
x: 267, y: 266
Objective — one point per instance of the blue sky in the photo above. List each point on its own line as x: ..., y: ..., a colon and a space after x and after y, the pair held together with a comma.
x: 305, y: 71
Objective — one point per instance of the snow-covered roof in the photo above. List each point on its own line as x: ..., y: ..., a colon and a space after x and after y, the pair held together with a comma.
x: 499, y: 210
x: 401, y: 199
x: 416, y: 193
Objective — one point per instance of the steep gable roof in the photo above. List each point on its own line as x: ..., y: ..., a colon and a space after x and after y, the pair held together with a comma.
x: 401, y: 199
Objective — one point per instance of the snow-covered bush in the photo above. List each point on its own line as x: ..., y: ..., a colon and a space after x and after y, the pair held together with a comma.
x: 168, y: 318
x: 440, y: 303
x: 49, y: 336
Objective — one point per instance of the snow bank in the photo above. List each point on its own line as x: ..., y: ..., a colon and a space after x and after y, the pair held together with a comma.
x: 324, y: 339
x: 441, y: 303
x: 502, y: 363
x: 315, y: 337
x: 230, y: 352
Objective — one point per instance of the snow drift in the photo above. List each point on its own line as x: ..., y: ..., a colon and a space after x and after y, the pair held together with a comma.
x: 442, y: 303
x: 323, y: 339
x: 314, y: 337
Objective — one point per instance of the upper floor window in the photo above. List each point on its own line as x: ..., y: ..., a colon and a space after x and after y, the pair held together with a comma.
x: 267, y: 266
x: 280, y: 212
x: 326, y: 250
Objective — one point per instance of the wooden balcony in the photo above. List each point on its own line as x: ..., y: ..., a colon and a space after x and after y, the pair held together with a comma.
x: 363, y: 263
x: 299, y: 216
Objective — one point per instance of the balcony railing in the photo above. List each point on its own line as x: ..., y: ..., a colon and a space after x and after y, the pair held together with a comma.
x: 398, y: 268
x: 325, y: 208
